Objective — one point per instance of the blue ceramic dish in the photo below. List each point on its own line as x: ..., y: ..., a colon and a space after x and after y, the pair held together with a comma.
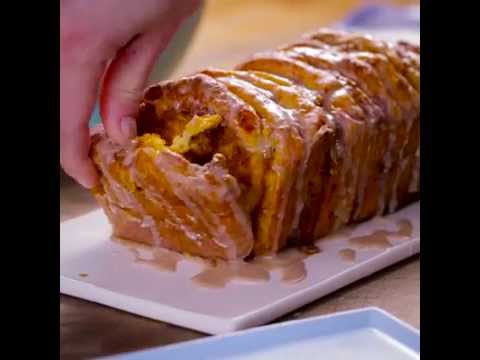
x: 368, y: 333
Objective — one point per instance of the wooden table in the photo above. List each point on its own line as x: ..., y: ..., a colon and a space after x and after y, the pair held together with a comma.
x: 229, y: 31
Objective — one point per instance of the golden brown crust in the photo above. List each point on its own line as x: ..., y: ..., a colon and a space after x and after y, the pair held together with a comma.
x: 200, y: 95
x: 403, y: 55
x: 380, y: 79
x: 288, y: 147
x: 186, y: 207
x: 405, y: 58
x: 312, y: 124
x: 276, y: 211
x: 351, y: 112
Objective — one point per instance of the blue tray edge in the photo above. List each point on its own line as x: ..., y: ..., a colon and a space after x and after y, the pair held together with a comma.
x: 372, y: 317
x: 395, y: 328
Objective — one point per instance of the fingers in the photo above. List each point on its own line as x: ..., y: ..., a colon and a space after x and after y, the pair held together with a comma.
x: 88, y: 36
x: 78, y: 89
x: 125, y: 79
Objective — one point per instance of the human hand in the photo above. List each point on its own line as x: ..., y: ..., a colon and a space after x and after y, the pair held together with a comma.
x: 108, y: 48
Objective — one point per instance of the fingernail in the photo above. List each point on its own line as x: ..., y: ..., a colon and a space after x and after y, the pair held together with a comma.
x: 87, y: 183
x: 128, y: 127
x: 90, y: 178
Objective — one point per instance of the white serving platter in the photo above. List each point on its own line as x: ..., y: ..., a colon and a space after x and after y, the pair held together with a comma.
x: 95, y: 268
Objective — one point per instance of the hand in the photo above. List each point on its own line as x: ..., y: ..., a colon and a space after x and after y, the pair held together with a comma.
x: 108, y: 48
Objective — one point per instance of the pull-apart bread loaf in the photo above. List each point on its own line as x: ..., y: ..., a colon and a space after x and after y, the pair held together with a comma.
x: 286, y: 148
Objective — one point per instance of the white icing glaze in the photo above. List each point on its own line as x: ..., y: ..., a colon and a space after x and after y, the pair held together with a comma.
x: 415, y: 183
x: 401, y: 166
x: 192, y: 192
x: 107, y: 150
x: 278, y: 124
x: 387, y: 165
x: 150, y: 223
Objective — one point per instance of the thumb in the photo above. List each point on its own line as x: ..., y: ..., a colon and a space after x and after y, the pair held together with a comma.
x: 125, y: 79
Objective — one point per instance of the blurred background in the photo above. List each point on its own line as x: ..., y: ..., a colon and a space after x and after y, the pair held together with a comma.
x: 230, y: 30
x: 225, y: 32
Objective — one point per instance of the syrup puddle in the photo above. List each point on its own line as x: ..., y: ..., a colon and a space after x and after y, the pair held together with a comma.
x: 376, y: 240
x: 215, y: 275
x: 289, y: 263
x: 309, y: 249
x: 294, y: 273
x: 348, y: 255
x: 380, y: 239
x: 213, y: 278
x: 161, y: 259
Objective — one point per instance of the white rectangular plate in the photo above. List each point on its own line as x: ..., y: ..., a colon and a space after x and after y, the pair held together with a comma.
x: 94, y: 268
